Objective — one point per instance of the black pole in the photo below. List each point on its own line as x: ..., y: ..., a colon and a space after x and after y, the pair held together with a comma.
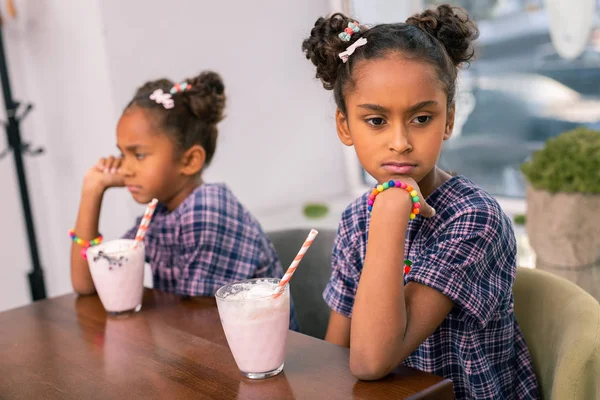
x: 36, y: 276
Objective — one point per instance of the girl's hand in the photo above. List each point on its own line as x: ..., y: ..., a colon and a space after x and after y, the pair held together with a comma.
x: 398, y: 200
x: 105, y: 174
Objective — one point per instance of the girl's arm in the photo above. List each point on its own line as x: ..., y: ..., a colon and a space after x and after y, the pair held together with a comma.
x: 338, y: 329
x: 86, y: 228
x: 97, y: 180
x: 389, y: 321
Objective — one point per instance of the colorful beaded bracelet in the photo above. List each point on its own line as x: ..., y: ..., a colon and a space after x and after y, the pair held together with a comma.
x: 386, y: 185
x: 84, y: 243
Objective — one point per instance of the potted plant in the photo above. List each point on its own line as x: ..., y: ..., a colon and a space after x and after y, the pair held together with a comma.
x: 563, y: 202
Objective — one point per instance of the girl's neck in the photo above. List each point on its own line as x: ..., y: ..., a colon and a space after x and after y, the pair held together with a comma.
x: 432, y: 181
x: 184, y: 191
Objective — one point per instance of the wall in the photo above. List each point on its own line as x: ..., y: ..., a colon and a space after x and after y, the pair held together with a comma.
x: 279, y: 132
x: 79, y: 62
x: 384, y: 11
x: 56, y: 59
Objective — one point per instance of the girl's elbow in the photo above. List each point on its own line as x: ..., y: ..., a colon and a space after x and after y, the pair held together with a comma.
x: 368, y: 368
x: 82, y: 289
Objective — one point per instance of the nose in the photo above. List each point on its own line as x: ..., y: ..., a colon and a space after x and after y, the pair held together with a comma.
x: 399, y: 142
x: 126, y: 169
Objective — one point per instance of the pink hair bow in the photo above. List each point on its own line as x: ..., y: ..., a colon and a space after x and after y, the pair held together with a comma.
x: 350, y: 50
x: 162, y: 98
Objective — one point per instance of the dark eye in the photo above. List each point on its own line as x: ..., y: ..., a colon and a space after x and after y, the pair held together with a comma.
x: 422, y: 119
x: 376, y: 121
x: 140, y: 156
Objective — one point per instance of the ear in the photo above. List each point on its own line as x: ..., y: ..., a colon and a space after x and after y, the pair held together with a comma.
x: 343, y: 130
x: 192, y: 160
x: 450, y: 122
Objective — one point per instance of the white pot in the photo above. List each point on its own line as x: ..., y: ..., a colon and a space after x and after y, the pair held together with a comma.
x: 564, y: 228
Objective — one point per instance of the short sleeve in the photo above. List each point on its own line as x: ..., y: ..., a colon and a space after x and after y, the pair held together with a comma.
x: 341, y: 289
x: 214, y: 250
x: 472, y: 262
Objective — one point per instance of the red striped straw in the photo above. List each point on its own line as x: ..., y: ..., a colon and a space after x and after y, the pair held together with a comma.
x: 139, y: 236
x: 292, y: 268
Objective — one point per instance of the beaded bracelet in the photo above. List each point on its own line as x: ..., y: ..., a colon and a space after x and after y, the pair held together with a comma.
x: 386, y: 185
x: 84, y: 243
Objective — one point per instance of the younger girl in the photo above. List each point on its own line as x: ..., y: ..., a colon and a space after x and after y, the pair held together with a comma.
x: 447, y: 309
x: 200, y: 237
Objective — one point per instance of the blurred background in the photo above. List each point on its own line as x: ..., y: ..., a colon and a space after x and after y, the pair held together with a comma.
x: 80, y: 62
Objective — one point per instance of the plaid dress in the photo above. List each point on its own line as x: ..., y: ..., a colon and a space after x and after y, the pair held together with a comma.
x: 208, y: 241
x: 468, y: 253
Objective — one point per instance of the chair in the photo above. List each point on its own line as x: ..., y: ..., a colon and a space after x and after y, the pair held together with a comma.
x: 561, y: 325
x: 310, y: 278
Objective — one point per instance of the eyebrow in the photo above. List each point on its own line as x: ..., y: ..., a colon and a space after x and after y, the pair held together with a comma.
x: 422, y: 105
x: 411, y: 109
x: 131, y: 148
x: 373, y: 107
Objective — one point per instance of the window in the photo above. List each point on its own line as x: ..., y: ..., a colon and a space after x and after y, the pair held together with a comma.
x: 516, y: 95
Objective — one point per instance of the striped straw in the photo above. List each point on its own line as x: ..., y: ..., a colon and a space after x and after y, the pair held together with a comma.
x: 292, y: 268
x: 139, y: 236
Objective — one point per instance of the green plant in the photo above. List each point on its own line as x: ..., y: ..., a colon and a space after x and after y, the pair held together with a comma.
x: 316, y: 210
x: 520, y: 219
x: 568, y: 163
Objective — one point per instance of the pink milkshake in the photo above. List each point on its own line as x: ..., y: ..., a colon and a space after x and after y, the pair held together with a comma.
x: 118, y: 273
x: 256, y: 325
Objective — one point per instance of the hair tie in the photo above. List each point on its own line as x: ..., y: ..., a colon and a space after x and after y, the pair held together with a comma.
x: 352, y: 28
x: 180, y: 87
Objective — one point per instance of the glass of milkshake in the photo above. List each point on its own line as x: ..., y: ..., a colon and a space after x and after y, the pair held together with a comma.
x: 256, y: 325
x: 117, y: 268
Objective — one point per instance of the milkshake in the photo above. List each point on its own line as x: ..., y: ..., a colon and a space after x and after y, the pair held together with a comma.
x: 256, y: 325
x: 118, y: 273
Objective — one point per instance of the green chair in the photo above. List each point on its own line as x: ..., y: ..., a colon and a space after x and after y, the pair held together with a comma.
x: 310, y: 278
x: 561, y: 325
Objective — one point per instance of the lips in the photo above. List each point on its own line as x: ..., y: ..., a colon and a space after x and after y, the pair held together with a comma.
x: 399, y: 168
x: 134, y: 188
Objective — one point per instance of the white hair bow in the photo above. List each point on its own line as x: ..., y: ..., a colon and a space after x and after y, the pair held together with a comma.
x: 162, y: 98
x: 350, y: 50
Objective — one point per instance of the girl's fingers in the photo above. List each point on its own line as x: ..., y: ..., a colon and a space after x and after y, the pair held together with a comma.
x: 101, y: 164
x: 424, y: 209
x: 112, y: 165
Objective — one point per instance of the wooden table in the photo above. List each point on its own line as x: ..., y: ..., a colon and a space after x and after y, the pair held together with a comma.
x: 66, y: 348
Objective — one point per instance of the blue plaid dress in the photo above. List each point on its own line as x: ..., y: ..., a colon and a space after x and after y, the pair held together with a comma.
x: 208, y: 241
x: 468, y: 253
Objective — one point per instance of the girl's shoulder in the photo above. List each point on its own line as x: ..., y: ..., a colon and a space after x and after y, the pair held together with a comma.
x: 460, y: 192
x: 214, y: 198
x: 464, y: 211
x: 213, y: 204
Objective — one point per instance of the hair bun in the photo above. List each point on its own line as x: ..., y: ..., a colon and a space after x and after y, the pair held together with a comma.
x: 207, y: 97
x: 452, y: 27
x: 323, y: 46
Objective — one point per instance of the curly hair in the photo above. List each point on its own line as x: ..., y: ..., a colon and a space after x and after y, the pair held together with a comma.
x: 442, y: 37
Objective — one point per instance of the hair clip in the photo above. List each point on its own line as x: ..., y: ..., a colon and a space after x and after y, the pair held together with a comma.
x: 162, y: 98
x: 180, y: 87
x: 352, y: 28
x: 350, y: 50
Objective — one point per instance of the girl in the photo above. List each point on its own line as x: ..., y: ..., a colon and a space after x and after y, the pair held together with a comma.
x: 449, y: 310
x: 200, y: 237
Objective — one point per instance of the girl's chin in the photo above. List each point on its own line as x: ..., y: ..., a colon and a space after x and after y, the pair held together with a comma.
x: 141, y: 198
